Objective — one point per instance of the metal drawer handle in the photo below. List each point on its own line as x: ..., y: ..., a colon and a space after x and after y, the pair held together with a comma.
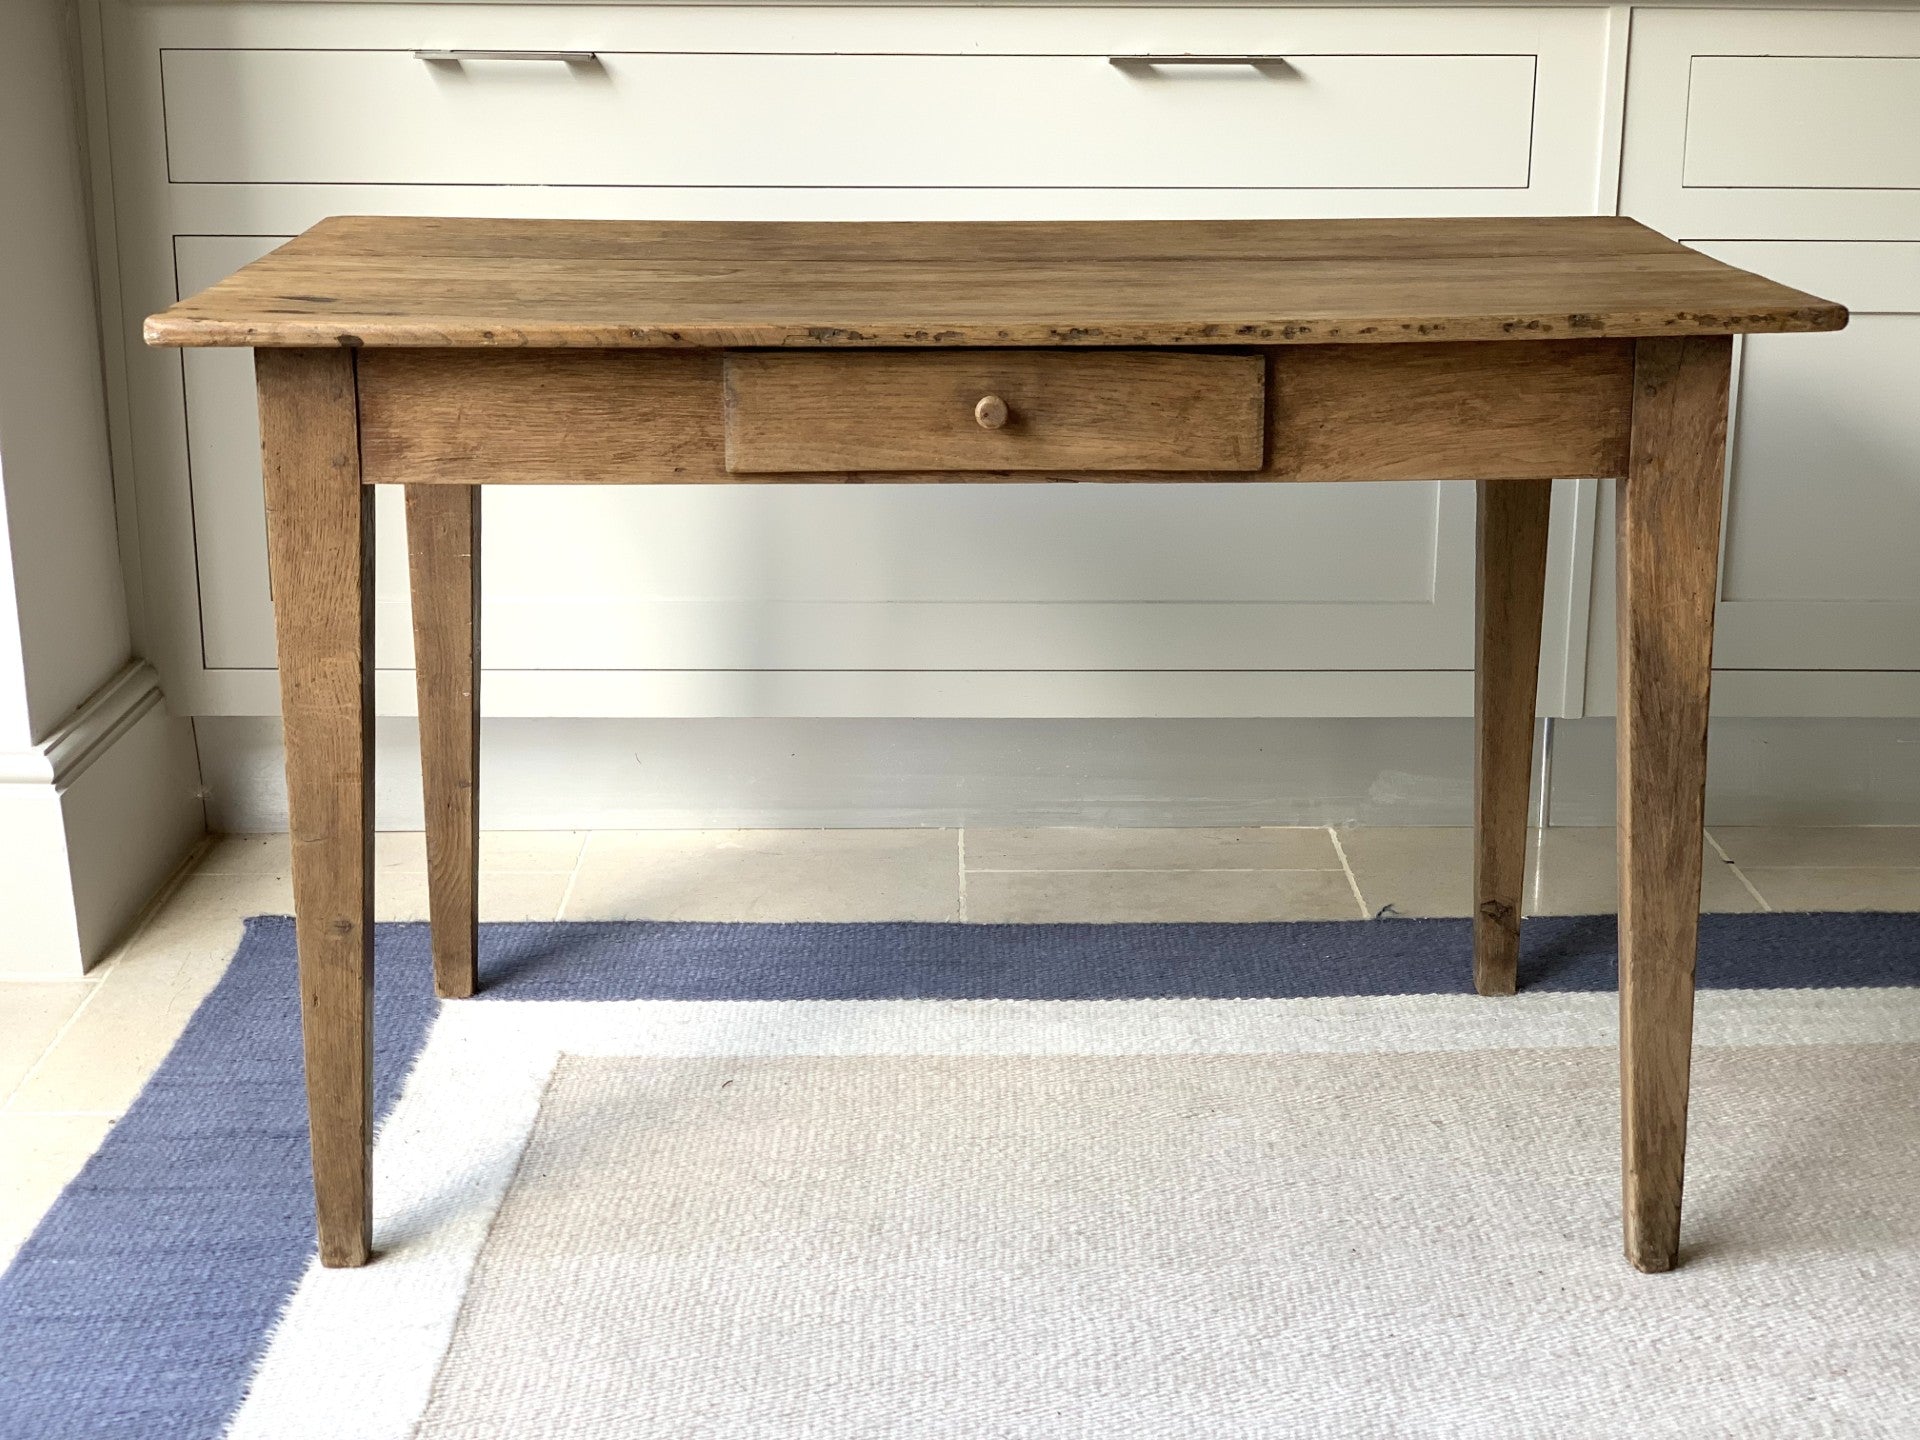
x: 564, y: 57
x: 1255, y: 60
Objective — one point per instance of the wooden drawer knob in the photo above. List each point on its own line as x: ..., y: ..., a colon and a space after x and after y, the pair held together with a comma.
x: 991, y: 412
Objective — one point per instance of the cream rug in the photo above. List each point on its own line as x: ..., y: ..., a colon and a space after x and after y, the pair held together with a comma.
x: 756, y: 1181
x: 1190, y: 1245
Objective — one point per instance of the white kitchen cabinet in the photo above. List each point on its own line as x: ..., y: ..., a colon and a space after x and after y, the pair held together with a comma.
x: 1787, y: 142
x: 1772, y: 124
x: 1341, y: 122
x: 237, y: 124
x: 1823, y: 500
x: 1802, y: 122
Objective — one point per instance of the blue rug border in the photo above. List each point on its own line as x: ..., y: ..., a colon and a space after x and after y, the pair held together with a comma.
x: 1292, y: 959
x: 120, y: 1318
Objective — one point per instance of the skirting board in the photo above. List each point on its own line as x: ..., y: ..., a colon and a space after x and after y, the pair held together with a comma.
x: 664, y: 774
x: 92, y: 821
x: 772, y: 773
x: 1762, y: 771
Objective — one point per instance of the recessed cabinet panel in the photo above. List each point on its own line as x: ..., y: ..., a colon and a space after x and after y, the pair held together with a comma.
x: 229, y: 513
x: 1817, y: 122
x: 1823, y: 501
x: 1826, y: 465
x: 1774, y: 123
x: 1312, y: 120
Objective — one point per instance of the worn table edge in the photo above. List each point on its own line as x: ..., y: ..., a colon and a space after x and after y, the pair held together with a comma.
x: 170, y: 329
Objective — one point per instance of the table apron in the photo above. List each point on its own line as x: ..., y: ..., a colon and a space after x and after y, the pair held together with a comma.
x: 1485, y: 410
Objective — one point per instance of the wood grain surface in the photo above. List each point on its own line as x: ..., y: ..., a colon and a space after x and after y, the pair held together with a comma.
x: 320, y: 548
x: 443, y: 560
x: 397, y: 281
x: 1055, y: 410
x: 1668, y: 556
x: 441, y: 353
x: 1499, y: 410
x: 1483, y: 411
x: 1510, y: 579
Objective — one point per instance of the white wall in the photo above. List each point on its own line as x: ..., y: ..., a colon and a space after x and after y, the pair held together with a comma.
x: 61, y: 553
x: 82, y: 843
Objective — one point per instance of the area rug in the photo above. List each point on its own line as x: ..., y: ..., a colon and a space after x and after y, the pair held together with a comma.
x: 945, y: 1180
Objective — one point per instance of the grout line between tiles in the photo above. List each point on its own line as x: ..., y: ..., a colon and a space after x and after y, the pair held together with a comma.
x: 91, y: 978
x: 1850, y: 865
x: 1739, y: 874
x: 1353, y: 880
x: 1162, y: 870
x: 961, y: 833
x: 35, y: 1068
x: 579, y: 859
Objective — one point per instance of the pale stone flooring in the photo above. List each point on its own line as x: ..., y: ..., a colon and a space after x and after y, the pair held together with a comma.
x: 73, y: 1054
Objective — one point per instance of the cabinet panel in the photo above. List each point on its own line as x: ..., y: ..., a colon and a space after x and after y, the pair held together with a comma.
x: 227, y: 509
x: 1826, y: 467
x: 1774, y: 123
x: 1058, y: 600
x: 1823, y: 495
x: 1819, y: 609
x: 923, y: 121
x: 1783, y: 141
x: 1820, y: 122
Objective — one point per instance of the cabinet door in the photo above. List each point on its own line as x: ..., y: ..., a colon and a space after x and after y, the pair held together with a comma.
x: 1819, y: 609
x: 1349, y: 121
x: 859, y: 600
x: 1783, y: 141
x: 1774, y: 123
x: 1823, y: 499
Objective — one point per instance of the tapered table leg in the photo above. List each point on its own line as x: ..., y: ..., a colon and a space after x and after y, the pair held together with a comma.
x: 1509, y: 588
x: 443, y: 553
x: 320, y: 547
x: 1669, y: 555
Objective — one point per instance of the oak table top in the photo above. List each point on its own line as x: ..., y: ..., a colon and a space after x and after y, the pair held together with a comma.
x: 355, y: 281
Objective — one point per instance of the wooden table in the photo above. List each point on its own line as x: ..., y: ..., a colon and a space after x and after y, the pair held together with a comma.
x: 446, y: 354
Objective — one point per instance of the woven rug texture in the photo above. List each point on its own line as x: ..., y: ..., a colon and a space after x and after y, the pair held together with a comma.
x: 1014, y: 1181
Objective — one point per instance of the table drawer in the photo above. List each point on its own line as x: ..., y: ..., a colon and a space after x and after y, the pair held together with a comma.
x: 623, y: 118
x: 1818, y: 122
x: 880, y: 411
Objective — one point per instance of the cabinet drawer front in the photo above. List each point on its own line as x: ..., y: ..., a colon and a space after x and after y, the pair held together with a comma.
x: 884, y: 411
x: 1335, y: 121
x: 1821, y: 122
